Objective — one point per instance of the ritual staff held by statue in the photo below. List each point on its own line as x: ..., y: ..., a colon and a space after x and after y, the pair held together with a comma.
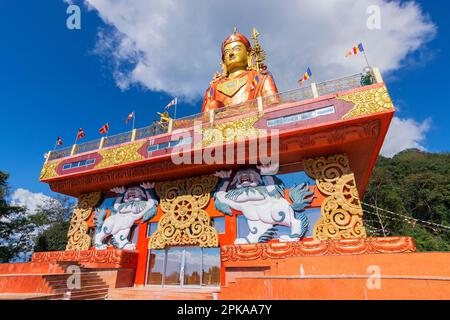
x: 243, y: 76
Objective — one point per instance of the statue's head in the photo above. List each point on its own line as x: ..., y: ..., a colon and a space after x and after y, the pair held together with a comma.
x: 134, y: 194
x: 245, y: 178
x: 236, y: 51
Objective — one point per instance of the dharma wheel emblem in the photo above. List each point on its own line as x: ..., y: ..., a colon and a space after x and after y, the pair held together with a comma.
x: 185, y: 211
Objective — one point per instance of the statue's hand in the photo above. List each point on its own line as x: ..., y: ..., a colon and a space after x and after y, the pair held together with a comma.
x: 119, y: 190
x: 269, y: 169
x: 148, y: 185
x: 223, y: 174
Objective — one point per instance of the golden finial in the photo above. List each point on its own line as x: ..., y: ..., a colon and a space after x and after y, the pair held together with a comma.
x: 258, y: 55
x: 164, y: 117
x: 255, y: 34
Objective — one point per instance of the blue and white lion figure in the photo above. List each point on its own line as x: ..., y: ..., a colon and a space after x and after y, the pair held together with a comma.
x: 131, y: 204
x: 259, y: 195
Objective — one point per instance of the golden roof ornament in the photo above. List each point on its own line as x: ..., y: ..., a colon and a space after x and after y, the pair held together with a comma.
x: 164, y: 117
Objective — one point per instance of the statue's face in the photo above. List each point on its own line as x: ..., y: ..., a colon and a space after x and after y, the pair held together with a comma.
x: 134, y: 194
x: 235, y: 56
x: 246, y: 178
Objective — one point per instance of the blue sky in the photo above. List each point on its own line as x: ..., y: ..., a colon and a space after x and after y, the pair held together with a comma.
x: 52, y: 83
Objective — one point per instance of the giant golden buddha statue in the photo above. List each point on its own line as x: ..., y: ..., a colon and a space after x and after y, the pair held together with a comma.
x: 244, y: 76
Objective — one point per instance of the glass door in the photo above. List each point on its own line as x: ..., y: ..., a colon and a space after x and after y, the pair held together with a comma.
x: 174, y: 267
x: 192, y: 266
x: 156, y: 264
x: 184, y: 266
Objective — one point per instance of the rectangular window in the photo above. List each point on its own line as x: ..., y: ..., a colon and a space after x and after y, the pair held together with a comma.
x: 242, y: 226
x: 181, y: 142
x: 219, y: 224
x: 164, y: 145
x: 156, y: 266
x: 211, y: 267
x: 134, y: 232
x: 151, y: 228
x: 78, y: 164
x: 301, y: 116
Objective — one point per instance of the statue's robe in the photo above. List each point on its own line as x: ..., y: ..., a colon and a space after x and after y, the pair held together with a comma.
x: 247, y: 86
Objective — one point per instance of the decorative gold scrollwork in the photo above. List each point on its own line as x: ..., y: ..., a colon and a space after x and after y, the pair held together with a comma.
x: 341, y: 210
x: 78, y: 238
x: 231, y: 131
x: 368, y: 102
x: 49, y: 170
x: 185, y: 222
x: 120, y: 155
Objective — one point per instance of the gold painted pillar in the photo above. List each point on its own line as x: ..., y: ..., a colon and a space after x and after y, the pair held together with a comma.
x: 341, y: 209
x: 78, y: 237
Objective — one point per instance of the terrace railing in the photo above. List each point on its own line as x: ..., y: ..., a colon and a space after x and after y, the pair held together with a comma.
x: 252, y: 106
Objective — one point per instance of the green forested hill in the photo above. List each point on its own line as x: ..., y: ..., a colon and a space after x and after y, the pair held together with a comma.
x: 415, y: 184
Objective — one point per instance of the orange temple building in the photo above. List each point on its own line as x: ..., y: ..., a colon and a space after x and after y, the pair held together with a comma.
x: 163, y: 214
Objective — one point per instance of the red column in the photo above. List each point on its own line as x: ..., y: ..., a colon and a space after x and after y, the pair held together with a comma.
x: 142, y: 248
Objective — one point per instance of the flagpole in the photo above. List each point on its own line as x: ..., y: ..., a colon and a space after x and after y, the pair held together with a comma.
x: 175, y: 111
x: 365, y: 57
x: 134, y: 118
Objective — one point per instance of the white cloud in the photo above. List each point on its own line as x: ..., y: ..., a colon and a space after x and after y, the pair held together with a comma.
x: 31, y: 201
x: 174, y: 46
x: 405, y: 134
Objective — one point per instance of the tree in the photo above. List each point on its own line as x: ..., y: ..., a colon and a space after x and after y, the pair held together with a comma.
x: 52, y: 220
x: 415, y: 185
x: 15, y: 227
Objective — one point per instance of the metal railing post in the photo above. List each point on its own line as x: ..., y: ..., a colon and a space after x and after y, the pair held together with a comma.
x: 49, y: 154
x: 102, y: 141
x: 72, y: 152
x: 314, y: 90
x: 211, y: 117
x: 377, y: 75
x: 260, y: 104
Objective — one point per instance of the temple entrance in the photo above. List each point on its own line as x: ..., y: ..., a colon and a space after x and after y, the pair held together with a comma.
x: 184, y: 267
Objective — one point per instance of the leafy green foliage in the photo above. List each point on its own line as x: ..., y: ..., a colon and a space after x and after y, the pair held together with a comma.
x: 15, y: 228
x: 54, y: 238
x: 53, y: 220
x: 20, y: 231
x: 415, y: 184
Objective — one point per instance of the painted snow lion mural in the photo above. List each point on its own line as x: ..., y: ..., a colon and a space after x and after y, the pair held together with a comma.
x: 131, y: 205
x: 259, y: 195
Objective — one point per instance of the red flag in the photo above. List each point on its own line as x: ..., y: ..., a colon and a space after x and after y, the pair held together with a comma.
x: 80, y: 133
x: 104, y: 129
x: 59, y: 141
x: 172, y: 103
x: 130, y: 116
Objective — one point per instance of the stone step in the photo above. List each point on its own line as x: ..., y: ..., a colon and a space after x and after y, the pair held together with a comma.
x: 83, y: 283
x: 92, y: 296
x: 160, y: 294
x: 85, y: 294
x: 83, y: 288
